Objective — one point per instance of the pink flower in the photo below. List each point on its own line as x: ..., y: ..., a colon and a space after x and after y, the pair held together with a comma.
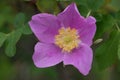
x: 66, y: 37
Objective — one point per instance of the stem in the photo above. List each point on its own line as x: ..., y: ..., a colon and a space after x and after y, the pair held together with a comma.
x: 88, y: 13
x: 117, y: 27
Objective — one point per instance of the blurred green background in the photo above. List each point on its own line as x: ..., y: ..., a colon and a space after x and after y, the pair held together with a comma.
x: 17, y: 41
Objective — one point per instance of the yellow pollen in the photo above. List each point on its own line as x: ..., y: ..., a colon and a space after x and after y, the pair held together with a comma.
x: 67, y: 39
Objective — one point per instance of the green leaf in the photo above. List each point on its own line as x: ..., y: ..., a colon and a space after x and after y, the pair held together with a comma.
x: 115, y: 4
x: 2, y: 38
x: 119, y: 49
x: 104, y: 25
x: 83, y: 10
x: 19, y: 20
x: 98, y: 16
x: 82, y: 7
x: 106, y: 53
x: 81, y: 2
x: 26, y: 30
x: 47, y: 6
x: 117, y: 16
x: 12, y: 39
x: 91, y: 4
x: 95, y: 4
x: 6, y: 68
x: 20, y: 24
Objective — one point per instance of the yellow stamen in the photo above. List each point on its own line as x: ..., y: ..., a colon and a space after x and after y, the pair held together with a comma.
x: 67, y: 39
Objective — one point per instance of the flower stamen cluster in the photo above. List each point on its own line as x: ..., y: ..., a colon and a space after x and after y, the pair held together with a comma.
x: 67, y: 39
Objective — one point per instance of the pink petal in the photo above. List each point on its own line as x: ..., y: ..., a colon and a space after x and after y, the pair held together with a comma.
x: 71, y: 17
x: 45, y: 27
x: 87, y: 31
x: 81, y: 58
x: 46, y: 55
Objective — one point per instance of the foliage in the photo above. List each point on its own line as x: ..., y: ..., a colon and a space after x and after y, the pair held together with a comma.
x: 17, y: 40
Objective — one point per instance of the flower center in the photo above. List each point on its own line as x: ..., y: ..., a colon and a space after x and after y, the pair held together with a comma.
x: 67, y: 39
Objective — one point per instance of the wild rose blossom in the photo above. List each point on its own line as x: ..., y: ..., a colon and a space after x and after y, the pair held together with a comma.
x: 65, y: 38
